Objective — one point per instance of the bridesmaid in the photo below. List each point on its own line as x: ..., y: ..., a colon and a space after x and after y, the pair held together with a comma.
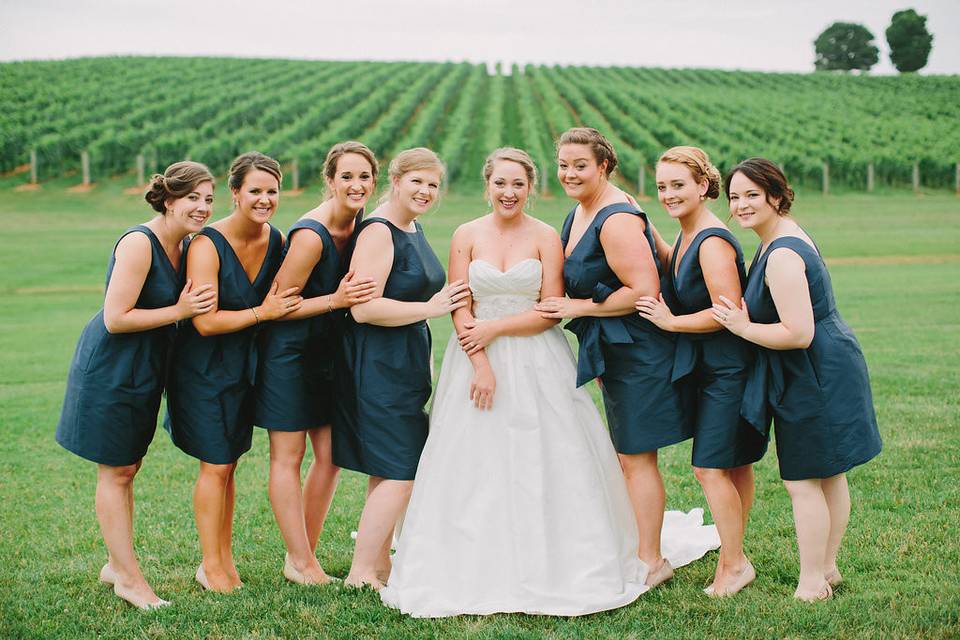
x: 295, y: 394
x: 611, y: 261
x: 210, y: 397
x: 706, y: 262
x: 380, y: 425
x: 117, y: 375
x: 810, y: 373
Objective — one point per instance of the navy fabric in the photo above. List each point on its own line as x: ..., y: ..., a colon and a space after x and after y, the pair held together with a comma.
x: 210, y: 391
x: 819, y: 398
x: 632, y: 357
x: 295, y: 381
x: 115, y: 381
x: 712, y: 367
x: 380, y: 424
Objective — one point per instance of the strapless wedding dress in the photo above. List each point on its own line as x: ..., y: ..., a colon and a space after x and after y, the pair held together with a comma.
x: 522, y: 508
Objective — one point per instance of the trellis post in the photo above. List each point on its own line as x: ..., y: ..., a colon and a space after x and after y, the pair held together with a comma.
x: 85, y: 166
x: 295, y: 173
x: 33, y: 166
x: 141, y: 170
x: 870, y: 178
x: 916, y: 177
x: 826, y: 178
x: 642, y: 181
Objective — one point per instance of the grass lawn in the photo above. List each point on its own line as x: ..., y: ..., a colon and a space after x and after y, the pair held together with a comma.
x: 895, y: 262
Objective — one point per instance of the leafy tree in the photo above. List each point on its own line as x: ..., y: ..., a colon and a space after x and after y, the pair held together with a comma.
x: 909, y: 40
x: 845, y: 46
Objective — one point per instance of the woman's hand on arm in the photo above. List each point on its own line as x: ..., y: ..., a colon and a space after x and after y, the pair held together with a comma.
x: 718, y: 263
x: 130, y: 269
x: 786, y: 276
x: 373, y: 258
x: 203, y: 266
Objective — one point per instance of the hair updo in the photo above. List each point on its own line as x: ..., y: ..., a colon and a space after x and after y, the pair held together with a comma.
x: 599, y: 145
x: 512, y: 154
x: 769, y: 177
x: 250, y: 161
x: 178, y: 180
x: 341, y: 149
x: 698, y: 162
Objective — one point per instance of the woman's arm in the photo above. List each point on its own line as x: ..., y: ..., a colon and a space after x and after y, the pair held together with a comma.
x: 130, y: 269
x: 718, y: 262
x: 203, y: 266
x: 629, y: 256
x: 373, y: 258
x: 303, y: 254
x: 787, y: 278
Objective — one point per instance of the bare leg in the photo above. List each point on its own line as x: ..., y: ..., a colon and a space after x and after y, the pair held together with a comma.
x: 386, y: 500
x: 837, y: 493
x: 743, y: 480
x: 226, y: 538
x: 286, y: 456
x: 727, y: 511
x: 319, y: 485
x: 209, y: 497
x: 812, y: 519
x: 645, y: 487
x: 114, y: 506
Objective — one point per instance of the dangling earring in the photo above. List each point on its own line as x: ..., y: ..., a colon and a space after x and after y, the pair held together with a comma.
x: 702, y: 197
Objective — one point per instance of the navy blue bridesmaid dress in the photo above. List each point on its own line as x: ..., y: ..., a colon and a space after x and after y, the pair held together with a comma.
x: 210, y: 389
x: 116, y: 379
x: 819, y: 398
x: 713, y: 367
x: 630, y: 355
x: 380, y: 425
x: 295, y: 381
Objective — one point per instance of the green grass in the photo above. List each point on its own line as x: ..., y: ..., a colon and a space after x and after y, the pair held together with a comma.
x: 895, y: 269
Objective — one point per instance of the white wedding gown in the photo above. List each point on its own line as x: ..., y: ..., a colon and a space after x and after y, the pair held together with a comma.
x: 522, y: 508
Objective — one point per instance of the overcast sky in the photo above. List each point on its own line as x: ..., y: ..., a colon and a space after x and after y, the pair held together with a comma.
x: 773, y: 35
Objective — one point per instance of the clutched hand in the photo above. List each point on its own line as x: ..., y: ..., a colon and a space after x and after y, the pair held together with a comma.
x: 558, y: 308
x: 735, y: 318
x: 476, y: 335
x: 352, y: 291
x: 656, y: 311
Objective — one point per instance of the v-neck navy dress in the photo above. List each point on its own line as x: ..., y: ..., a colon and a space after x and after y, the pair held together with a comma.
x: 630, y: 355
x: 819, y: 398
x: 210, y: 391
x: 115, y: 381
x: 381, y: 426
x: 295, y: 384
x: 712, y: 366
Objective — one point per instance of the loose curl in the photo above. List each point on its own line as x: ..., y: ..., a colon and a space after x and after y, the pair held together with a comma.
x: 249, y: 161
x: 599, y: 145
x: 698, y: 162
x: 769, y: 177
x: 180, y: 179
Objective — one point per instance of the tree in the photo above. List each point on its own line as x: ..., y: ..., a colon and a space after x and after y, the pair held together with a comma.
x: 909, y: 40
x: 845, y: 46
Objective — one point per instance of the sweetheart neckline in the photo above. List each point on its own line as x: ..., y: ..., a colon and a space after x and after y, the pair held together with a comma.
x: 511, y: 268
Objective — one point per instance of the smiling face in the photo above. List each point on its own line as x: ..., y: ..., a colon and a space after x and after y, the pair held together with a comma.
x: 677, y: 190
x: 192, y: 210
x: 258, y: 195
x: 749, y: 203
x: 352, y: 183
x: 508, y: 188
x: 417, y: 190
x: 578, y: 171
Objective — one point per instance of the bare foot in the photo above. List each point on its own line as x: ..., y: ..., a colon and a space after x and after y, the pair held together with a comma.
x: 360, y: 581
x: 824, y: 593
x: 833, y: 577
x: 732, y: 583
x: 107, y: 574
x: 139, y: 594
x: 663, y: 572
x: 311, y: 574
x: 214, y: 580
x: 231, y: 570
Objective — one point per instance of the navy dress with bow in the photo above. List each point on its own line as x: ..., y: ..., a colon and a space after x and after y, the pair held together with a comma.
x: 210, y: 391
x: 713, y: 367
x: 630, y: 355
x: 819, y: 398
x: 384, y: 381
x: 116, y: 380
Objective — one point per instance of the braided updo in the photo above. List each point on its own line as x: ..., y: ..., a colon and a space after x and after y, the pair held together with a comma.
x: 698, y: 162
x: 178, y: 180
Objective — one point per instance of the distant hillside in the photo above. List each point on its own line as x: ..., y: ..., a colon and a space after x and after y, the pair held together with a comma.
x: 210, y: 109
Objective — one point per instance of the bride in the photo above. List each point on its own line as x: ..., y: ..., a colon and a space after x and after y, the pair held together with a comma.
x: 519, y: 503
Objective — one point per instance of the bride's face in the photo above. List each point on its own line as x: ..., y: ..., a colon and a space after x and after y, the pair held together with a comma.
x: 508, y: 188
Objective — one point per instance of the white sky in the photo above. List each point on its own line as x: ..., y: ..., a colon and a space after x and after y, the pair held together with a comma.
x: 773, y: 35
